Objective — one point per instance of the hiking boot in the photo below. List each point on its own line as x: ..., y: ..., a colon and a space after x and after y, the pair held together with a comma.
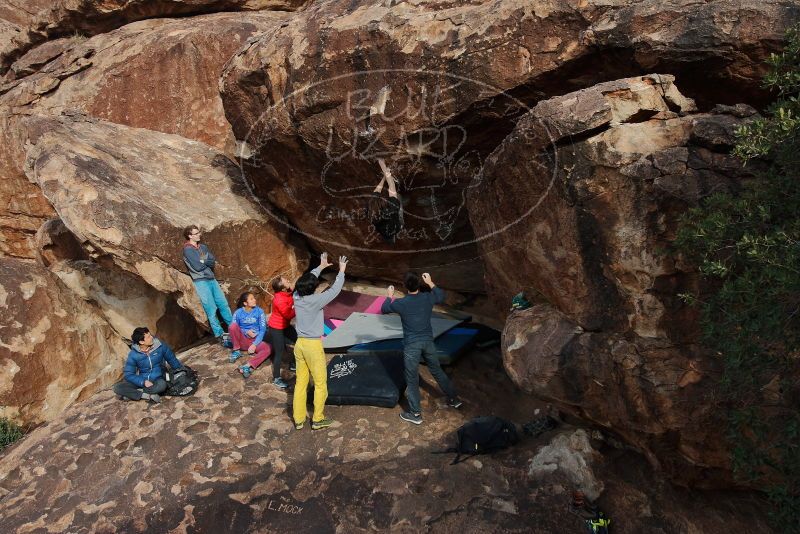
x: 235, y: 355
x: 155, y: 398
x: 455, y: 402
x: 323, y: 423
x: 411, y: 417
x: 280, y: 382
x: 246, y: 371
x: 299, y: 426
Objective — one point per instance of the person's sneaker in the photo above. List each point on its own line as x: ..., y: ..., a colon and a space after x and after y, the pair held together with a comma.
x: 155, y: 398
x: 225, y: 341
x: 455, y: 402
x: 322, y: 423
x: 246, y: 371
x: 281, y: 383
x: 123, y: 399
x: 293, y: 367
x: 411, y: 417
x: 299, y: 426
x: 235, y: 355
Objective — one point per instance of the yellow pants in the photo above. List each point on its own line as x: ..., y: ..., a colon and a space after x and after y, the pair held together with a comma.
x: 310, y: 358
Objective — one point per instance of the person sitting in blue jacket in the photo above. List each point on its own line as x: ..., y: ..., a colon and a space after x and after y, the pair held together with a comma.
x: 144, y: 368
x: 247, y: 332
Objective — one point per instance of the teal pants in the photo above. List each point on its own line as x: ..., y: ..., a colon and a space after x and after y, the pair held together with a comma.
x: 213, y: 299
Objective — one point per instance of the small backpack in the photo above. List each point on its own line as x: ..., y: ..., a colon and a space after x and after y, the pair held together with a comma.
x: 181, y: 383
x: 484, y: 435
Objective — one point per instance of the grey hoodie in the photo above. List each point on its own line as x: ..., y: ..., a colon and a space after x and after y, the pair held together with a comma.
x: 309, y: 319
x: 200, y: 261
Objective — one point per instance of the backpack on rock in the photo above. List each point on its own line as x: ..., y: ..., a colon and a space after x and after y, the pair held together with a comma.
x: 484, y: 435
x: 182, y: 383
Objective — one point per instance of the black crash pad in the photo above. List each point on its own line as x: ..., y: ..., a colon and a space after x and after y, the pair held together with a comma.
x: 365, y: 380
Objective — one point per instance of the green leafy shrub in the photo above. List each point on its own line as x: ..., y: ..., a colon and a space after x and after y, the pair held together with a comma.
x: 748, y: 246
x: 9, y: 433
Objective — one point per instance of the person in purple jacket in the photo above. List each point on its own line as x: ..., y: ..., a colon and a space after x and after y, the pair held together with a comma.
x: 415, y: 310
x: 247, y: 331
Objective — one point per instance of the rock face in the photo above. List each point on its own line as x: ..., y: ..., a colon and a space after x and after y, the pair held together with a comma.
x: 25, y: 23
x: 54, y: 347
x: 126, y: 194
x: 156, y: 74
x: 433, y: 88
x: 229, y: 459
x: 592, y: 184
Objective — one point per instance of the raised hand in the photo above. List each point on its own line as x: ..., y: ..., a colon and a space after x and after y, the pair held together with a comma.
x: 323, y: 261
x: 390, y: 291
x: 426, y: 277
x: 342, y: 263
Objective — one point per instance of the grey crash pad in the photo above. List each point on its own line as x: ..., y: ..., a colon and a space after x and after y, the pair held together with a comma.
x: 368, y: 327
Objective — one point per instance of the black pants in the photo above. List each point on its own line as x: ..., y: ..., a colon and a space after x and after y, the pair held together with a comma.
x: 277, y: 338
x: 131, y: 391
x: 413, y: 354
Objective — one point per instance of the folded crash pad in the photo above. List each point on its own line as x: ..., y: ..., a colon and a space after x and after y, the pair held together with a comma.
x: 370, y: 381
x: 347, y: 302
x: 367, y: 327
x: 450, y: 346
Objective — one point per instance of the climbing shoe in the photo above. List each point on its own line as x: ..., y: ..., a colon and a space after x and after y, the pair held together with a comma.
x: 235, y: 355
x: 322, y: 423
x: 455, y: 402
x: 280, y: 382
x: 246, y: 371
x: 411, y: 417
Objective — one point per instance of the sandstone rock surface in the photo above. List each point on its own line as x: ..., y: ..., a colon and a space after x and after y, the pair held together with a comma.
x: 433, y: 87
x: 26, y: 23
x: 229, y: 458
x: 126, y: 194
x: 593, y: 184
x: 157, y: 74
x: 54, y: 347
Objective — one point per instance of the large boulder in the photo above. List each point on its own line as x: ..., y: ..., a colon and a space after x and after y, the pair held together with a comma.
x: 653, y: 395
x: 592, y: 185
x: 23, y: 26
x: 55, y: 348
x: 112, y: 76
x: 124, y: 300
x: 432, y: 88
x: 126, y: 194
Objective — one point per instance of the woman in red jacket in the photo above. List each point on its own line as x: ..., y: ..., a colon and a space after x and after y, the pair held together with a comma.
x: 280, y: 328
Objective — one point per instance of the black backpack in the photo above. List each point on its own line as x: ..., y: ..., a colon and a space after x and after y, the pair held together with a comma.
x: 484, y: 435
x: 181, y: 383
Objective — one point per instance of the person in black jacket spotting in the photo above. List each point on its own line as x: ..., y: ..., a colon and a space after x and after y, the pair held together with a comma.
x: 415, y: 310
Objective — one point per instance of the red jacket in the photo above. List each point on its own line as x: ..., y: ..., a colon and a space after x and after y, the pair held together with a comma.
x: 282, y: 310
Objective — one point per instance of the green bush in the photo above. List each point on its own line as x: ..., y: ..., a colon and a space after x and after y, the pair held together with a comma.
x: 9, y: 433
x: 748, y: 246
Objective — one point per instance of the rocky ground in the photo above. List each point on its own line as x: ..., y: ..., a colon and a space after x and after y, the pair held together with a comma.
x: 229, y: 460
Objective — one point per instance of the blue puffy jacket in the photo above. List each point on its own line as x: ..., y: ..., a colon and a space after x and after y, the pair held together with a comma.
x: 141, y: 366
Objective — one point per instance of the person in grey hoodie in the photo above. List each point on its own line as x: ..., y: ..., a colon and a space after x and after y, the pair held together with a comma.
x: 200, y: 262
x: 308, y: 352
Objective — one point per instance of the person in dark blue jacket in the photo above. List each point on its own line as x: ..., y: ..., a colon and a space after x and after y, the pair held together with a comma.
x: 415, y: 310
x: 144, y: 369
